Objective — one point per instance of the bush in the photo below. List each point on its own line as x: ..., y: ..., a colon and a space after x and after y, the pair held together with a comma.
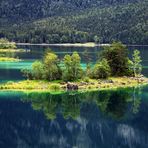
x: 5, y: 44
x: 54, y: 87
x: 37, y: 70
x: 51, y: 66
x: 101, y: 70
x: 27, y: 73
x: 117, y: 56
x: 86, y: 79
x: 72, y: 67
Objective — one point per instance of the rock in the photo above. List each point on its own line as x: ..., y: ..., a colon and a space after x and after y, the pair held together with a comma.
x: 62, y: 83
x: 140, y: 76
x: 123, y: 83
x: 140, y: 80
x: 72, y: 86
x: 83, y: 83
x: 108, y: 81
x: 63, y: 87
x: 92, y: 83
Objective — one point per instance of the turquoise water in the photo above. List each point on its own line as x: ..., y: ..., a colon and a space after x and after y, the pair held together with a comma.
x: 100, y: 119
x: 10, y: 71
x: 16, y: 65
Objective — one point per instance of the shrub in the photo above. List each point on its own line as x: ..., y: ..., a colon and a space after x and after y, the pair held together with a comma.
x: 5, y: 44
x: 27, y: 73
x: 101, y: 70
x: 37, y: 70
x: 86, y: 79
x: 117, y: 56
x: 72, y: 67
x: 54, y: 87
x: 51, y: 66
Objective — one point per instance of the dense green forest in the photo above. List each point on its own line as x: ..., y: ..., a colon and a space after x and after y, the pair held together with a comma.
x: 63, y: 21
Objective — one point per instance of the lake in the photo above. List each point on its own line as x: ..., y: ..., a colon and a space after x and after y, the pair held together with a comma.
x: 100, y: 119
x: 10, y: 71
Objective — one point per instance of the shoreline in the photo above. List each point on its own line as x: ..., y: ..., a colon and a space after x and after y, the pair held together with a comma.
x: 8, y: 59
x: 61, y: 87
x: 89, y: 44
x: 13, y: 50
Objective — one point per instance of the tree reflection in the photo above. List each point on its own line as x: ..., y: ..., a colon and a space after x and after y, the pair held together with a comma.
x: 75, y: 104
x: 136, y: 99
x: 117, y: 104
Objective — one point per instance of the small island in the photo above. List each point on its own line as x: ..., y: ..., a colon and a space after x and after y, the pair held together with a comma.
x: 113, y: 69
x: 8, y: 50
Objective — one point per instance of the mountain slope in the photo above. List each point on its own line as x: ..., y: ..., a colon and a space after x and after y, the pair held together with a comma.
x: 111, y: 20
x: 22, y: 10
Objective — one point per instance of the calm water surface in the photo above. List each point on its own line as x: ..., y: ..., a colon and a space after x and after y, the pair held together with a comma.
x: 110, y: 119
x: 105, y: 119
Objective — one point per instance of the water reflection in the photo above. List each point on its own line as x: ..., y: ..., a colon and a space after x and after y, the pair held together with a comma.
x: 71, y: 104
x: 83, y: 120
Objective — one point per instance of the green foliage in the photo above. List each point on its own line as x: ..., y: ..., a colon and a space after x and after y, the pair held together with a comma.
x: 48, y: 69
x: 38, y: 70
x: 86, y: 79
x: 87, y: 56
x: 27, y: 73
x: 136, y: 65
x: 117, y: 56
x: 96, y: 39
x: 72, y: 67
x: 25, y: 10
x: 88, y: 71
x: 51, y: 67
x: 114, y: 61
x: 101, y: 70
x: 110, y: 20
x: 55, y: 87
x: 5, y: 44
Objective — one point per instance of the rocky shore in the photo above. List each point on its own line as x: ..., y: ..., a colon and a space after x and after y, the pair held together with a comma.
x: 111, y: 83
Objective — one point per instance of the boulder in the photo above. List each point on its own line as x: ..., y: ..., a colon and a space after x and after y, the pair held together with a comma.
x: 108, y: 81
x: 83, y: 83
x: 72, y: 86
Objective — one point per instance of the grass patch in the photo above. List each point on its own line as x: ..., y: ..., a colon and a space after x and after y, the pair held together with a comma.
x: 7, y: 59
x: 54, y: 87
x: 57, y: 86
x: 13, y: 50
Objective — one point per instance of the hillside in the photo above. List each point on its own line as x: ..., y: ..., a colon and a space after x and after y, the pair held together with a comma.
x: 61, y: 21
x: 21, y: 10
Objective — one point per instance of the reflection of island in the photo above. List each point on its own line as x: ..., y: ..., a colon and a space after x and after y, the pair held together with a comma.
x: 112, y: 103
x: 8, y: 51
x: 82, y: 122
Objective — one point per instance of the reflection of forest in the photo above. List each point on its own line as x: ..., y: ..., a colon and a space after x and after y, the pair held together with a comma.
x: 88, y: 119
x: 112, y: 103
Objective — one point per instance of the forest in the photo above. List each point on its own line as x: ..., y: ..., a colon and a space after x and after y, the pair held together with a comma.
x: 75, y: 21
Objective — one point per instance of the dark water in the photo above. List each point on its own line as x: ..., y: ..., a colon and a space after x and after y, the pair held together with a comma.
x: 108, y: 119
x: 101, y: 119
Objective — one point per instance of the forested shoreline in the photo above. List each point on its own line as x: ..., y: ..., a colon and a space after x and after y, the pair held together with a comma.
x: 125, y: 21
